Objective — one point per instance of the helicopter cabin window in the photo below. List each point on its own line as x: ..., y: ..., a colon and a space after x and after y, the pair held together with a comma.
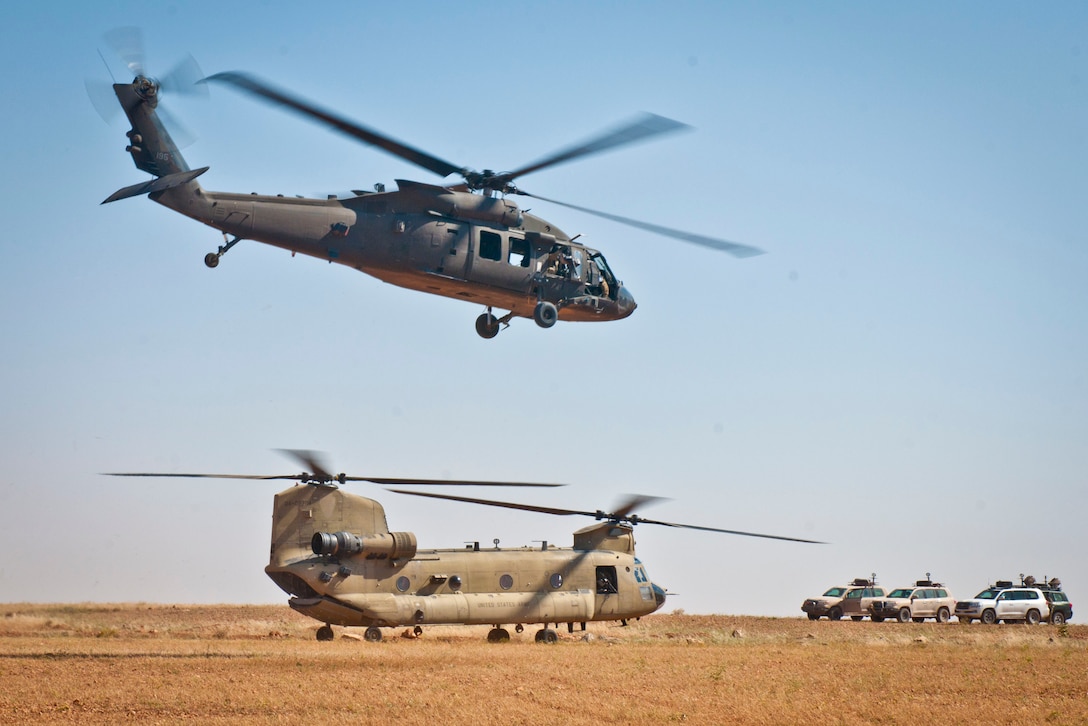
x: 606, y: 580
x: 490, y: 246
x: 519, y: 252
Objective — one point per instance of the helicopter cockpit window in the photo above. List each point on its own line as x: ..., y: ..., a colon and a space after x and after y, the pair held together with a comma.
x: 607, y: 284
x: 490, y: 246
x: 576, y: 264
x: 519, y: 252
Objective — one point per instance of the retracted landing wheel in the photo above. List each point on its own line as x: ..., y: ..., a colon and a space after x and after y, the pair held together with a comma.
x: 545, y: 314
x: 547, y: 635
x: 372, y: 635
x: 498, y: 635
x: 487, y: 325
x: 325, y: 633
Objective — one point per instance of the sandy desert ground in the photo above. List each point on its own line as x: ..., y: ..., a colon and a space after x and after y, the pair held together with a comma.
x: 141, y: 663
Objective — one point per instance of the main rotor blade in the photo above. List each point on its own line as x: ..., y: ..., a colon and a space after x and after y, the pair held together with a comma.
x: 622, y: 515
x: 258, y: 88
x: 643, y: 127
x: 493, y: 503
x: 728, y: 531
x: 734, y: 248
x: 311, y: 461
x: 259, y: 477
x: 451, y: 482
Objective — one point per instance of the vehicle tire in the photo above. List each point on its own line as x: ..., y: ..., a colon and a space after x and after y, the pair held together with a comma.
x: 813, y: 616
x: 487, y: 326
x: 856, y: 618
x: 372, y: 635
x: 545, y: 314
x: 1032, y: 617
x: 324, y: 633
x: 878, y: 618
x: 498, y: 635
x: 547, y: 635
x: 1057, y: 618
x: 211, y: 260
x: 943, y: 615
x: 989, y: 617
x: 835, y: 613
x: 965, y: 620
x: 903, y: 615
x: 918, y: 620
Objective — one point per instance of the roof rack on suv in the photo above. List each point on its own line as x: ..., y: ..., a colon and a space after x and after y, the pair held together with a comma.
x: 1030, y: 581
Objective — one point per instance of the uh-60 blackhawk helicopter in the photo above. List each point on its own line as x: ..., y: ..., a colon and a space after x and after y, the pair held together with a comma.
x: 466, y: 240
x: 334, y: 554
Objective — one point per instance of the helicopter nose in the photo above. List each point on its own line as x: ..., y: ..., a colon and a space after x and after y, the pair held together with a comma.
x: 624, y: 302
x: 659, y: 596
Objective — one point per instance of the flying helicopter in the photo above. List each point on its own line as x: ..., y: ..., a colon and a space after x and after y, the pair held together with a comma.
x: 466, y: 239
x: 334, y: 554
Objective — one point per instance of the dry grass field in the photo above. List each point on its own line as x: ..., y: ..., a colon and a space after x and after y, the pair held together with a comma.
x: 139, y: 663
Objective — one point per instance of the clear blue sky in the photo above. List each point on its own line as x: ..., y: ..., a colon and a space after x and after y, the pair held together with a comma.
x: 904, y: 374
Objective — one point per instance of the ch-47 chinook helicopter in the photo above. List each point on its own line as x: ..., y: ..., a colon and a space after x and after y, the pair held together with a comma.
x: 334, y: 554
x: 466, y: 240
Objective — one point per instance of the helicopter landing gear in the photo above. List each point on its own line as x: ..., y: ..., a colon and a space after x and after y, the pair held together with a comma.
x: 372, y: 635
x: 324, y: 633
x: 547, y: 635
x: 545, y: 314
x: 487, y: 326
x: 212, y: 258
x: 498, y: 635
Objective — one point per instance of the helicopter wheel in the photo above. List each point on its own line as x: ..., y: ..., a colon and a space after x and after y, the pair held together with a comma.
x: 498, y: 635
x: 372, y: 635
x: 211, y: 260
x: 547, y: 635
x: 487, y: 326
x: 324, y: 633
x: 545, y: 314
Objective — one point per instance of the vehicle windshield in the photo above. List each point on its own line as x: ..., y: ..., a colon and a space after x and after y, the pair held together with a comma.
x: 902, y: 592
x: 835, y: 592
x: 988, y: 594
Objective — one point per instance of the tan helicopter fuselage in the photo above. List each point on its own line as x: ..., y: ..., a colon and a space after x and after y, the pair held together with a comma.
x: 378, y: 578
x: 423, y: 237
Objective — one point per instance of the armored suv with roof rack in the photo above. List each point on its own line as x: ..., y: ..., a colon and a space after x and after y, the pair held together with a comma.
x: 1061, y: 610
x: 1006, y: 602
x: 852, y: 600
x: 927, y: 599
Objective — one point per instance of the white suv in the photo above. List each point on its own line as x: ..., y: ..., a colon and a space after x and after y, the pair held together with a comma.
x: 1006, y: 603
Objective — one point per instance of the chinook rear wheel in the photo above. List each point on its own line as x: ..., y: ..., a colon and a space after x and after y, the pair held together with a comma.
x: 324, y: 633
x: 547, y: 635
x: 498, y: 635
x: 372, y: 635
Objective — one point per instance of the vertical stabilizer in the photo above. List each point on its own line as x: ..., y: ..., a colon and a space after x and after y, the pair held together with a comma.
x: 150, y: 144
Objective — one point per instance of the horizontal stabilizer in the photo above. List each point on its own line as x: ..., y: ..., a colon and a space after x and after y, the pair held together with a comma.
x: 156, y: 185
